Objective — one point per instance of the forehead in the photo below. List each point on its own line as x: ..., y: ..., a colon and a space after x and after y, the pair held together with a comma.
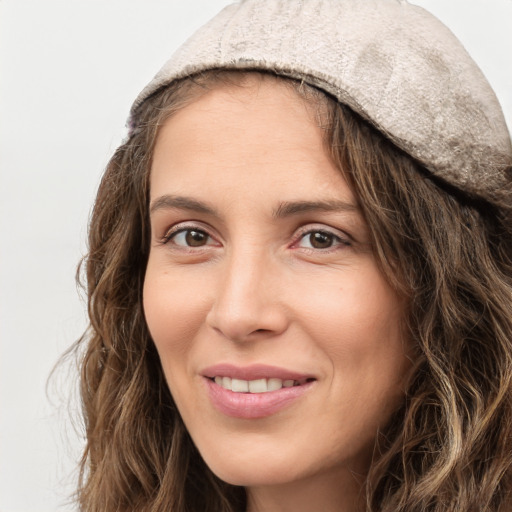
x: 259, y: 132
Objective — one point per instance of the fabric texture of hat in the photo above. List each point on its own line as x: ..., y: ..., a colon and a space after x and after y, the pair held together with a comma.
x: 390, y: 61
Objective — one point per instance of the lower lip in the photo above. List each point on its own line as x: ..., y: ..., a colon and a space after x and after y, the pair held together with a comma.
x: 253, y: 405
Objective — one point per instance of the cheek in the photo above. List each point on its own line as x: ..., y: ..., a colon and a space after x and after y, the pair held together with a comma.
x: 355, y: 316
x: 174, y: 312
x: 358, y: 326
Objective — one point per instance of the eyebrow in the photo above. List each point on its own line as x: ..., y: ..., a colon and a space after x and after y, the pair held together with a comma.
x: 167, y: 202
x: 285, y: 209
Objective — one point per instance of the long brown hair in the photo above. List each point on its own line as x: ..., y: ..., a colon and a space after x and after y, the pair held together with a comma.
x: 448, y: 447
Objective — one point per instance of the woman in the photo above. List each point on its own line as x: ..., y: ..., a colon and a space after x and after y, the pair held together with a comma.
x: 300, y: 274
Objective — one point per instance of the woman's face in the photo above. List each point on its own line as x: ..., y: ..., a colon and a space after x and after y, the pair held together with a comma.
x: 279, y: 337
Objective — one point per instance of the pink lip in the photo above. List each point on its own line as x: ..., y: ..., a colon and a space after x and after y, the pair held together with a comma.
x: 253, y: 372
x: 253, y: 405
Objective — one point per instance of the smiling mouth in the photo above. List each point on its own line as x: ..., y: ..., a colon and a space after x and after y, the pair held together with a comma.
x: 257, y: 385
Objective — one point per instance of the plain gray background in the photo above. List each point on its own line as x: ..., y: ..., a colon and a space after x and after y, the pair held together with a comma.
x: 69, y: 70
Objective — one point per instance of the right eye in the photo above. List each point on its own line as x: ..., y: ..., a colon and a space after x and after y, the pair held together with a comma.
x: 189, y: 237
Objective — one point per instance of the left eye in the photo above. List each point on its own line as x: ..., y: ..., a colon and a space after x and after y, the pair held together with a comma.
x: 319, y: 240
x: 190, y: 238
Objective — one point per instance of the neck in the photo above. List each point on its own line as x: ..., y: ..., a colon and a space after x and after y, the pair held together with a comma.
x: 328, y: 493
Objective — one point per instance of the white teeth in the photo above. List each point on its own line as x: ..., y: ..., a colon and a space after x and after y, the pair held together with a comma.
x: 274, y: 384
x: 258, y: 386
x: 239, y: 386
x: 254, y: 386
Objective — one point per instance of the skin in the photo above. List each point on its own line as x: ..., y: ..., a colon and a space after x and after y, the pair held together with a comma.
x: 257, y: 286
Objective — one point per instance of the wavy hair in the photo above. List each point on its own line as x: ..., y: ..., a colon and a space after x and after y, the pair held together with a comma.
x: 449, y: 446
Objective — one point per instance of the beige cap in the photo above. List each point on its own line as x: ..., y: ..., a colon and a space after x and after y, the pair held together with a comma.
x: 392, y: 62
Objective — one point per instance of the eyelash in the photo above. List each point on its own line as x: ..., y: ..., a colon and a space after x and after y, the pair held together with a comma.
x: 336, y: 239
x: 183, y: 229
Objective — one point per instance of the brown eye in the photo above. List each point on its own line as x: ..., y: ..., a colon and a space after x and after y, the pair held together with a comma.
x: 190, y: 238
x: 320, y: 240
x: 195, y: 238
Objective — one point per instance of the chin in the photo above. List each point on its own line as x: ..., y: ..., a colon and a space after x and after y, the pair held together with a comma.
x: 251, y: 465
x: 248, y: 476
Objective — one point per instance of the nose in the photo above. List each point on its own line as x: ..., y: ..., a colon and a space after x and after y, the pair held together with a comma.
x: 247, y: 304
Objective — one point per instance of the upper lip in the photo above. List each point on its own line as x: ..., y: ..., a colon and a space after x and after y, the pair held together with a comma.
x: 253, y: 372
